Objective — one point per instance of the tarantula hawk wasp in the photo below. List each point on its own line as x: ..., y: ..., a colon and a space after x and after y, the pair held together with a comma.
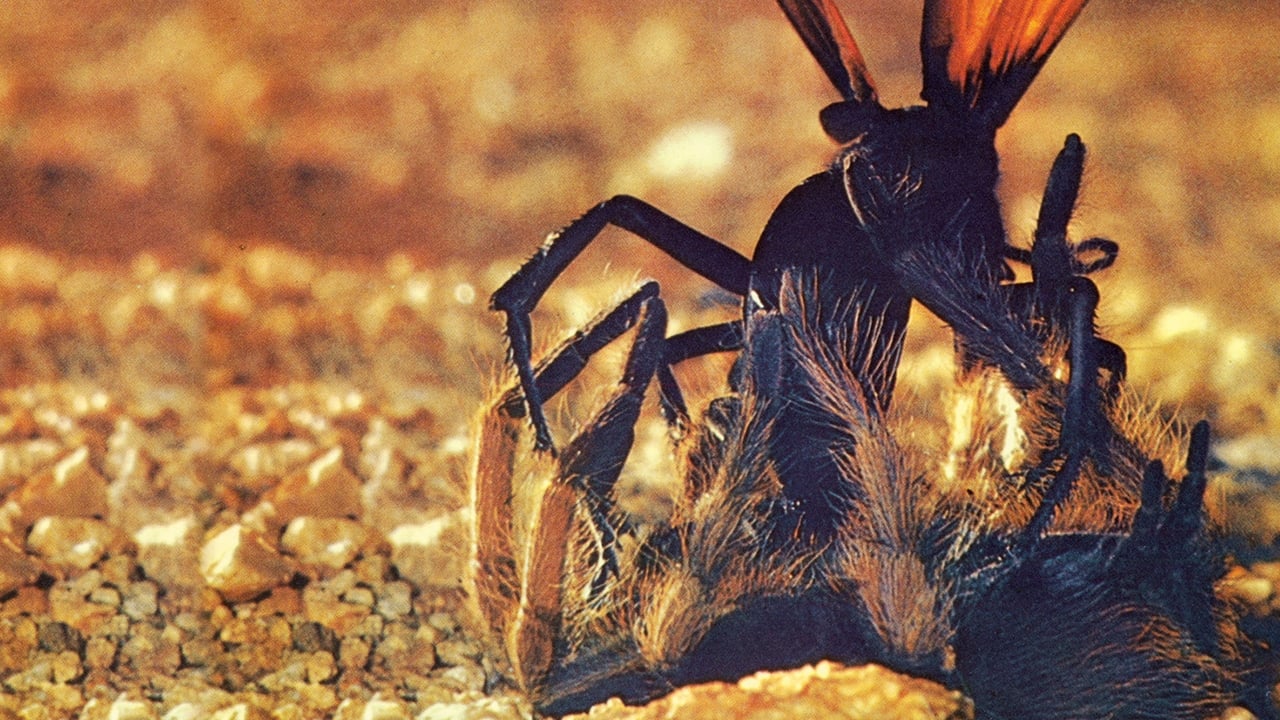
x: 979, y: 58
x: 810, y: 528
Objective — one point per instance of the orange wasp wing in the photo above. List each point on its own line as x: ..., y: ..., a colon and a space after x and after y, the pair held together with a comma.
x: 825, y: 33
x: 981, y: 55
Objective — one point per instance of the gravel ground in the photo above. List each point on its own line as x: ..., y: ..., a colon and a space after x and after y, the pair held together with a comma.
x: 245, y: 250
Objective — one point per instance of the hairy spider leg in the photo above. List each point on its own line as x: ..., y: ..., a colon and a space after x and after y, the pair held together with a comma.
x: 586, y: 472
x: 496, y: 575
x: 520, y: 294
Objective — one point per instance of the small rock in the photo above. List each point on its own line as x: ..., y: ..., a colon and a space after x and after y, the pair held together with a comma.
x: 321, y: 605
x: 281, y: 601
x: 325, y: 488
x: 868, y: 692
x: 71, y: 488
x: 240, y: 564
x: 99, y: 653
x: 326, y: 542
x: 444, y: 622
x: 379, y: 709
x: 353, y: 653
x: 74, y: 542
x: 16, y: 567
x: 141, y: 600
x: 314, y: 637
x: 320, y: 667
x: 359, y: 596
x: 457, y: 652
x: 168, y: 551
x: 66, y: 667
x: 240, y: 711
x: 432, y: 554
x: 69, y: 603
x: 126, y: 709
x: 56, y: 637
x: 489, y: 708
x: 394, y: 600
x: 463, y: 678
x: 108, y: 596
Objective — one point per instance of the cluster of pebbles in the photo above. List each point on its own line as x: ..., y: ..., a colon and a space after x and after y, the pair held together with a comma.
x: 211, y: 508
x: 236, y: 491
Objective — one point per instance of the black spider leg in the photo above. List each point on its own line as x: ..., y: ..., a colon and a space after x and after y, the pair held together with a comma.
x: 593, y: 460
x: 721, y: 337
x: 1160, y: 545
x: 1084, y: 426
x: 520, y: 294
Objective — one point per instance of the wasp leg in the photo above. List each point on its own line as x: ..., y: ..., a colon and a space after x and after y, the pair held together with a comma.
x: 721, y: 337
x: 1084, y: 425
x: 520, y: 294
x: 587, y: 471
x: 568, y: 359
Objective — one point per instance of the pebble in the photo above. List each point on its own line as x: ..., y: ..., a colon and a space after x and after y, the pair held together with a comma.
x: 495, y: 708
x: 432, y: 554
x: 71, y: 488
x: 240, y: 564
x: 324, y: 488
x: 141, y: 600
x: 168, y: 551
x: 99, y: 653
x: 56, y: 637
x: 326, y: 542
x: 320, y: 667
x: 457, y: 652
x: 16, y: 567
x: 353, y: 653
x: 66, y: 667
x: 394, y: 600
x: 74, y: 542
x: 379, y: 709
x: 124, y: 708
x: 867, y: 692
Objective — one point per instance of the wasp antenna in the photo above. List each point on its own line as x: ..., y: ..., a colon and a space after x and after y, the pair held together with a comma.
x: 980, y: 56
x: 825, y: 33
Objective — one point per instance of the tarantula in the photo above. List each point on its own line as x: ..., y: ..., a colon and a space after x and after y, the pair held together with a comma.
x: 1051, y: 560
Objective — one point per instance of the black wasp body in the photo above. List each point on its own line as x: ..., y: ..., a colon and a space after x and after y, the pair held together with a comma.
x: 975, y: 70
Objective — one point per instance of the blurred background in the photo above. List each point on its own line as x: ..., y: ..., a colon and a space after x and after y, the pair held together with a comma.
x: 459, y: 134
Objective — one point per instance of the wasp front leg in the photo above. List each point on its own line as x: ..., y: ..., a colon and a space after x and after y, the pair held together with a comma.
x: 519, y: 295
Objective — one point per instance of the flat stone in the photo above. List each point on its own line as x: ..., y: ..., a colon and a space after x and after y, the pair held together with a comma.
x: 825, y: 690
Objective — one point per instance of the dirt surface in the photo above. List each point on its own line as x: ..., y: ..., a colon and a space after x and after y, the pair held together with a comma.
x: 237, y: 236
